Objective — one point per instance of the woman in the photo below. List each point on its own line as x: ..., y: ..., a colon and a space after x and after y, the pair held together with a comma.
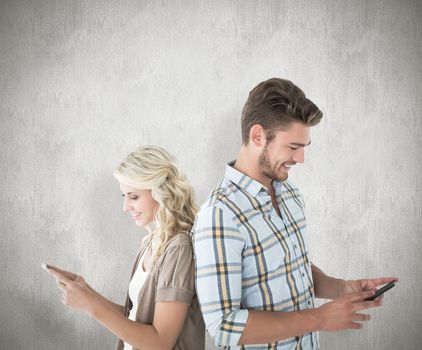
x: 161, y: 310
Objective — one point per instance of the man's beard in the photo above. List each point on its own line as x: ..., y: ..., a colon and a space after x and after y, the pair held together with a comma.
x: 267, y: 169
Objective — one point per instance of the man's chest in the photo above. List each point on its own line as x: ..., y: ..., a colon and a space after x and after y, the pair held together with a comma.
x: 276, y: 241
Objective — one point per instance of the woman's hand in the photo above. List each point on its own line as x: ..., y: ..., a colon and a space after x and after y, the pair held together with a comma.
x: 77, y: 294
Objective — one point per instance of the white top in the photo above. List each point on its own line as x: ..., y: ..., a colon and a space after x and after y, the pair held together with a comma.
x: 135, y: 286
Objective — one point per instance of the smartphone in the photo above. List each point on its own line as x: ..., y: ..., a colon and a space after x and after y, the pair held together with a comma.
x: 381, y: 291
x: 45, y: 266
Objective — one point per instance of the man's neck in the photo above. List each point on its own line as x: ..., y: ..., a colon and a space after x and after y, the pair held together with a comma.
x: 248, y: 164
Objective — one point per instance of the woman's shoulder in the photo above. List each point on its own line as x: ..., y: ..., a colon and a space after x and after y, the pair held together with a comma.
x: 180, y: 239
x: 175, y: 267
x: 179, y: 242
x: 177, y: 248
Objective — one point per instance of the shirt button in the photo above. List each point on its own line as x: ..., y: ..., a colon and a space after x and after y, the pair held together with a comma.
x: 303, y: 274
x: 295, y: 246
x: 309, y: 302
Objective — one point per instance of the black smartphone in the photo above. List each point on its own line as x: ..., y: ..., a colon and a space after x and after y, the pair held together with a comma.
x: 381, y: 291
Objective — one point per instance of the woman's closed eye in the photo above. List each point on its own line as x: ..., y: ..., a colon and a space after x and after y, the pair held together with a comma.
x: 131, y: 196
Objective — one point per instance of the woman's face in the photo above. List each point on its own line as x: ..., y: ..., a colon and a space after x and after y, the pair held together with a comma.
x: 139, y: 203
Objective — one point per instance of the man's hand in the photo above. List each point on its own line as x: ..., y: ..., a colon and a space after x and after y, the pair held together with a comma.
x: 356, y: 286
x: 343, y: 313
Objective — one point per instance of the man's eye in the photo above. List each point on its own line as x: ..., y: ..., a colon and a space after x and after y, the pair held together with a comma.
x: 293, y: 148
x: 134, y: 197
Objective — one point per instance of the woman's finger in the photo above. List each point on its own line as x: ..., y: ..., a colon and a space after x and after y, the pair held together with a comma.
x: 68, y: 274
x: 61, y: 285
x: 59, y: 276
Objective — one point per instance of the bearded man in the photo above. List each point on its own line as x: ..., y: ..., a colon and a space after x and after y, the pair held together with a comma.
x: 254, y: 280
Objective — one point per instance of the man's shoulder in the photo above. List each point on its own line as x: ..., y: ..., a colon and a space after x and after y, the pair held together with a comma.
x: 220, y: 203
x: 219, y: 212
x: 218, y: 196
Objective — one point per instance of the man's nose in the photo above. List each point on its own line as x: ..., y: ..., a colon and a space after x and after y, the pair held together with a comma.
x: 299, y: 155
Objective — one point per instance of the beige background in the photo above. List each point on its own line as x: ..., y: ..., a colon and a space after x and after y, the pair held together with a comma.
x: 84, y: 82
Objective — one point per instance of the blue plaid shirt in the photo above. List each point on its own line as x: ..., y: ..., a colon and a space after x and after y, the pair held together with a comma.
x: 248, y: 257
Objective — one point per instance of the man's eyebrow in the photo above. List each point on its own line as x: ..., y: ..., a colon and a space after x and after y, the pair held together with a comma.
x: 300, y: 144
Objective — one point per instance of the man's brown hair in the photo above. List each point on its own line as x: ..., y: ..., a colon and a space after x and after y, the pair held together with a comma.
x: 274, y: 104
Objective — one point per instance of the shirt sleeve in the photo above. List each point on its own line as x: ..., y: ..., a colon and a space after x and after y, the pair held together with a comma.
x: 176, y: 279
x: 218, y: 246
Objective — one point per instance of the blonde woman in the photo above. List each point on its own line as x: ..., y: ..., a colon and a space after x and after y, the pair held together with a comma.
x: 161, y: 310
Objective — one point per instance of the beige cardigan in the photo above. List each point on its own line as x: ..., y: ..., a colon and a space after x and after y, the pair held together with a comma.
x: 171, y: 278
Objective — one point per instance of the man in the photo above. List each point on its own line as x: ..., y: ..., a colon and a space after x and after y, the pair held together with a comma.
x: 255, y: 282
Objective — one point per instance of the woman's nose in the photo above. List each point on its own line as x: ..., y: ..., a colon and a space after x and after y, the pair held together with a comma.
x: 126, y: 206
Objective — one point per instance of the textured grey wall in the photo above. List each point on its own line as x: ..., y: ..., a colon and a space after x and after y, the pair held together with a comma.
x: 85, y: 82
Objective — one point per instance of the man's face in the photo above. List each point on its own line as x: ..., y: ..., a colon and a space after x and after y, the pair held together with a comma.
x: 284, y: 150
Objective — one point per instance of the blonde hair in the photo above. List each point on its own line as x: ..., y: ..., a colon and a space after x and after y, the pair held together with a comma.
x: 152, y: 167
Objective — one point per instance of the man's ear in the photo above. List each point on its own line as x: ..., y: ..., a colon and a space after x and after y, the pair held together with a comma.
x: 257, y: 136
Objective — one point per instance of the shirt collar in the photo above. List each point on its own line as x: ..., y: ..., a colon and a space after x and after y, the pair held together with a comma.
x: 277, y: 185
x: 247, y: 183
